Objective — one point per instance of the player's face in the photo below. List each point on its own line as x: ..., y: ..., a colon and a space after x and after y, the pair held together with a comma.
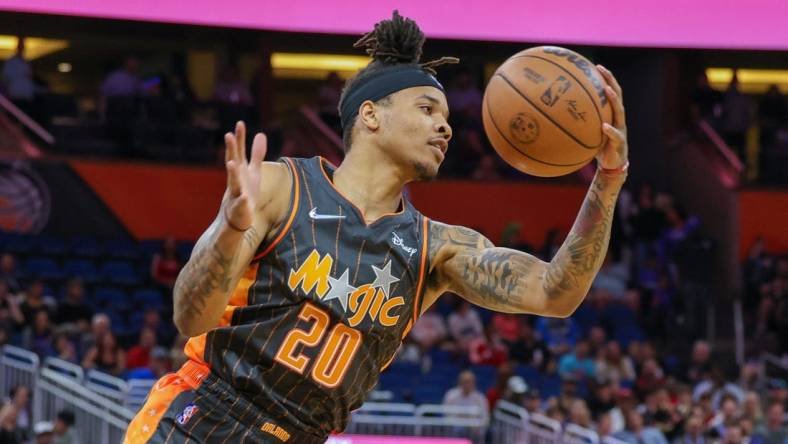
x: 416, y: 130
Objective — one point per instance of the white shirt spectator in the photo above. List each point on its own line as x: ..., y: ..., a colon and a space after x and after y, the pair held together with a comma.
x: 465, y: 325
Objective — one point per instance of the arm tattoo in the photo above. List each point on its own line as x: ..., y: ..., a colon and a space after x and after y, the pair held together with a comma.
x: 206, y: 273
x: 485, y: 275
x: 442, y: 234
x: 252, y: 238
x: 575, y: 265
x: 497, y: 276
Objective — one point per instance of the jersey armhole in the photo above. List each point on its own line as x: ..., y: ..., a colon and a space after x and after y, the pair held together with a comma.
x: 423, y: 268
x: 294, y: 201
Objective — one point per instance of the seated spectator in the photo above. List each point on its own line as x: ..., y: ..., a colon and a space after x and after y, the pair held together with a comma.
x: 560, y: 334
x: 718, y: 385
x: 44, y: 432
x: 106, y: 356
x: 752, y: 408
x: 34, y: 300
x: 727, y: 416
x: 64, y: 428
x: 19, y: 400
x: 502, y: 376
x: 38, y: 336
x: 774, y: 431
x: 700, y: 363
x: 602, y: 399
x: 636, y: 433
x: 158, y: 365
x: 597, y: 340
x: 139, y: 355
x: 530, y: 350
x: 578, y: 363
x: 73, y: 308
x: 733, y: 435
x: 579, y: 414
x: 429, y: 330
x: 99, y: 326
x: 63, y: 347
x: 693, y: 432
x: 466, y: 395
x: 569, y: 393
x: 165, y: 331
x: 614, y: 366
x: 651, y: 377
x: 612, y: 277
x: 487, y: 349
x: 8, y: 430
x: 9, y: 273
x: 465, y: 325
x: 507, y: 327
x: 166, y: 265
x: 11, y: 316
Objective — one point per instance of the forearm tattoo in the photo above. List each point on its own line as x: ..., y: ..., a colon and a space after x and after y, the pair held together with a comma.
x: 577, y: 261
x: 208, y: 271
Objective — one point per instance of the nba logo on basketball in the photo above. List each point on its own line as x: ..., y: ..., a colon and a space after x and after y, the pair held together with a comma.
x: 187, y: 414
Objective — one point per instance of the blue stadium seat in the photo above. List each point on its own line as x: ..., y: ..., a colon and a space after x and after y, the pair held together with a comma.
x: 530, y: 374
x: 82, y: 268
x: 20, y: 244
x: 84, y: 246
x: 147, y: 298
x: 485, y: 376
x: 43, y: 268
x: 51, y: 246
x: 109, y: 298
x: 122, y: 249
x: 120, y: 272
x: 185, y: 250
x: 149, y: 247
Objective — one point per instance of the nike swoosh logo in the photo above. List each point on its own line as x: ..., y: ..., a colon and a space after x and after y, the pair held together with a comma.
x: 313, y: 214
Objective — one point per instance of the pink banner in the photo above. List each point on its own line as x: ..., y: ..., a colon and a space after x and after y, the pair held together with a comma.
x: 742, y: 24
x: 368, y: 439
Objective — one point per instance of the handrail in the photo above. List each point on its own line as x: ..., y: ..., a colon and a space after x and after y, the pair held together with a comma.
x: 26, y: 120
x: 73, y: 371
x: 723, y: 148
x: 321, y: 126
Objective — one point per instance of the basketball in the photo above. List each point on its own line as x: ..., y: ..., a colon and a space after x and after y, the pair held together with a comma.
x: 543, y: 111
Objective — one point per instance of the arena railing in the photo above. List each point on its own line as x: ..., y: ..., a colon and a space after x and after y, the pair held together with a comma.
x: 98, y: 420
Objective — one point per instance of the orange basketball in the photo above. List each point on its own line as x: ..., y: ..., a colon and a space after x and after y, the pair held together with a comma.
x: 543, y: 111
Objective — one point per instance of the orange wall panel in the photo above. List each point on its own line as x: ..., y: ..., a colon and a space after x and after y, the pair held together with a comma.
x: 763, y: 213
x: 154, y: 201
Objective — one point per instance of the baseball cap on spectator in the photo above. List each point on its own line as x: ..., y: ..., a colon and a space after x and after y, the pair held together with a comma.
x: 517, y: 385
x: 43, y: 427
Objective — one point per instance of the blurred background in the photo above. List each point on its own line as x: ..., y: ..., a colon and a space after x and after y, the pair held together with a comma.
x: 111, y: 165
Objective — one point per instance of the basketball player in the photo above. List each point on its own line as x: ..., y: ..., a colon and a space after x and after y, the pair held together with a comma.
x: 300, y: 292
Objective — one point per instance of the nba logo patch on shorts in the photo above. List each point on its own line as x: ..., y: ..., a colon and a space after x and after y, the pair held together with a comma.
x: 187, y: 414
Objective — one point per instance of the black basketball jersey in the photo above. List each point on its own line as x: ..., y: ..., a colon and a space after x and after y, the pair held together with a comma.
x: 322, y: 309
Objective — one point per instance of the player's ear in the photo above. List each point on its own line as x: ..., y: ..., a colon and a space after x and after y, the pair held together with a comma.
x: 369, y: 114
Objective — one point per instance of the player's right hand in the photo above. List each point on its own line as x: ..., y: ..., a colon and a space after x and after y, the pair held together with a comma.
x: 243, y: 177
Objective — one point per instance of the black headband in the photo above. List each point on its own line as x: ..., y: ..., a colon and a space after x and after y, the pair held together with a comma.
x: 377, y: 87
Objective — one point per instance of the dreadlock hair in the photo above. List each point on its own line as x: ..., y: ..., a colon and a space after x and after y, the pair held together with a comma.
x: 393, y: 43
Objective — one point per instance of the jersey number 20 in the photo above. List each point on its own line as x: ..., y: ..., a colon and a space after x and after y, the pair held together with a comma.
x: 336, y: 353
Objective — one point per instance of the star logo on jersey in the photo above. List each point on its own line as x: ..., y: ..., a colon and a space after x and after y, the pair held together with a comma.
x: 340, y: 289
x: 373, y: 300
x: 383, y: 278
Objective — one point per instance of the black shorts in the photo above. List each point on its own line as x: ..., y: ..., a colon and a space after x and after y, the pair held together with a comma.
x: 186, y: 407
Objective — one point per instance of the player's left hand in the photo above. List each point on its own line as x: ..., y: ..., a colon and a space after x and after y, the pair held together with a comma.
x: 615, y: 153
